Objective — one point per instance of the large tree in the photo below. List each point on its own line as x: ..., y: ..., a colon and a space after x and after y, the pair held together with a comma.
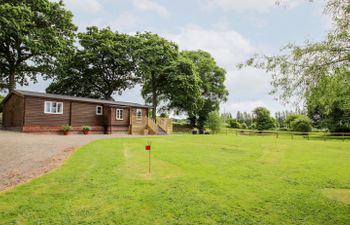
x: 33, y: 34
x: 183, y: 83
x: 103, y: 65
x: 213, y: 89
x: 154, y: 56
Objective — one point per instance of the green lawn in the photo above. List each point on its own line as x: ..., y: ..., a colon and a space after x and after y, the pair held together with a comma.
x: 195, y: 180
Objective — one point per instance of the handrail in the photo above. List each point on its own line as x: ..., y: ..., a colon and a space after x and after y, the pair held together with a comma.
x: 152, y: 126
x: 165, y: 124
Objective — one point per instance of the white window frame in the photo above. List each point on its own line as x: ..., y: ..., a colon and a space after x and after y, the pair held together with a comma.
x: 99, y: 107
x: 119, y: 114
x: 49, y: 110
x: 137, y: 114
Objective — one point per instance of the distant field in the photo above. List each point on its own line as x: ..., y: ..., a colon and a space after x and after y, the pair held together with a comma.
x: 207, y: 179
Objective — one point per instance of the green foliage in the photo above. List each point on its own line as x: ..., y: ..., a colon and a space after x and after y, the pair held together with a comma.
x: 155, y: 56
x: 86, y: 128
x: 66, y: 128
x: 164, y: 115
x: 214, y: 122
x: 212, y: 87
x: 252, y: 126
x: 194, y: 180
x: 244, y: 126
x: 33, y: 35
x: 233, y: 123
x: 1, y: 105
x: 301, y: 124
x: 183, y: 87
x: 329, y: 102
x: 263, y: 119
x: 104, y: 65
x: 290, y: 118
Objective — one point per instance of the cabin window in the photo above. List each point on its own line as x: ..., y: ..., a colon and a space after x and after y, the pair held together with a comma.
x: 138, y: 114
x: 99, y: 110
x: 53, y: 107
x: 119, y: 114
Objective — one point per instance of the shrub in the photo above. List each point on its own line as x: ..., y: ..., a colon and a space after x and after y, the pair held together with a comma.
x: 164, y: 115
x: 66, y: 128
x: 233, y: 123
x: 244, y: 125
x: 263, y: 119
x: 214, y: 122
x: 301, y: 124
x: 290, y: 118
x: 252, y: 126
x: 86, y: 128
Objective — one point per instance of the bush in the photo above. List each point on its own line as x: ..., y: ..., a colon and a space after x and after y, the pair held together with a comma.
x: 66, y: 128
x: 233, y: 123
x: 301, y: 124
x: 86, y: 128
x: 263, y: 119
x: 252, y: 126
x: 214, y: 122
x: 244, y: 126
x: 290, y: 118
x: 164, y: 115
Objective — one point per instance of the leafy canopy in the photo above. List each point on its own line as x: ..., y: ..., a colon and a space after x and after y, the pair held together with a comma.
x: 102, y: 66
x: 262, y: 118
x: 167, y: 77
x: 33, y: 35
x: 214, y: 122
x: 302, y: 124
x: 329, y: 102
x: 213, y: 90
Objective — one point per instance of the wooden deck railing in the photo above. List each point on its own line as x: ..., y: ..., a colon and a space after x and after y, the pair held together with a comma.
x: 166, y: 124
x: 137, y: 126
x: 152, y: 127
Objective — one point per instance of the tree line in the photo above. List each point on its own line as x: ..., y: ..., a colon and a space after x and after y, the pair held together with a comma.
x: 39, y: 39
x: 261, y: 119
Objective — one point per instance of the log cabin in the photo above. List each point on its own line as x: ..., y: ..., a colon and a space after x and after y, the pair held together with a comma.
x: 37, y: 112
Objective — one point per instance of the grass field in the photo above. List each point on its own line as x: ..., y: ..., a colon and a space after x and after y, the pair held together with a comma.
x: 214, y: 179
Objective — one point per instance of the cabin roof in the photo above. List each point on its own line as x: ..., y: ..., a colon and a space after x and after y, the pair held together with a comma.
x: 79, y: 99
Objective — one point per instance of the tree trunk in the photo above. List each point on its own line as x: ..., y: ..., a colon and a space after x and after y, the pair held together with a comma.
x: 193, y: 120
x: 154, y: 98
x: 12, y: 81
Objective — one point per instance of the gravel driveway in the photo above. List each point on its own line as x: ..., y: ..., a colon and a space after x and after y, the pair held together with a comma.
x: 25, y: 156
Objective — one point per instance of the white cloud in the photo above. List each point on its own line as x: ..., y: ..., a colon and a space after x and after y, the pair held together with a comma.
x: 151, y: 6
x: 125, y: 22
x: 227, y: 47
x: 89, y: 6
x: 245, y: 5
x: 249, y: 87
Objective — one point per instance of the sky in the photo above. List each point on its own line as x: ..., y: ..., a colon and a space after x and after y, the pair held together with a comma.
x: 230, y: 30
